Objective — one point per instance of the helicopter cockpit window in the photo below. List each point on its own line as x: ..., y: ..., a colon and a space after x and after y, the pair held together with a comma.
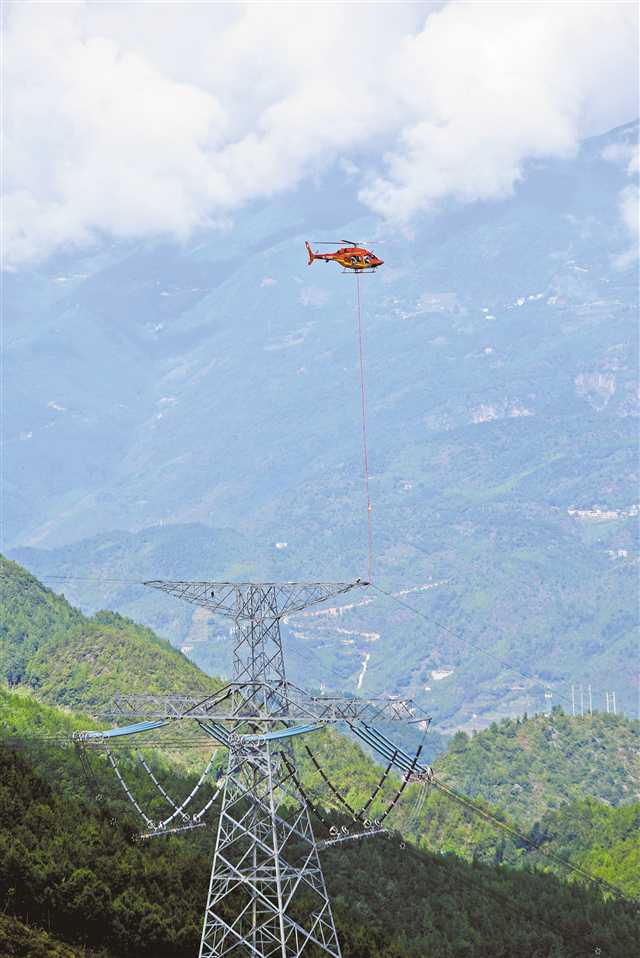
x: 367, y: 260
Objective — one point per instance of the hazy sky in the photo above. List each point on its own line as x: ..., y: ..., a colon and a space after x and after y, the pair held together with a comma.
x: 134, y: 119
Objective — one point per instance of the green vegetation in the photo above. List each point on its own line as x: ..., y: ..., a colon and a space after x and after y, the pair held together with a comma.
x: 77, y: 871
x: 31, y: 616
x: 533, y: 765
x: 74, y: 869
x: 603, y: 840
x: 67, y: 868
x: 18, y: 940
x: 77, y: 662
x: 605, y: 837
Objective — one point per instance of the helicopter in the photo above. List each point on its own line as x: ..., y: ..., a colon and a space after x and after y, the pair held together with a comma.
x: 352, y: 257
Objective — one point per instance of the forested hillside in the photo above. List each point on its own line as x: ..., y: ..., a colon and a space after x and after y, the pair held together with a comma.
x: 536, y: 764
x: 568, y: 783
x: 81, y: 662
x: 19, y: 940
x: 73, y: 869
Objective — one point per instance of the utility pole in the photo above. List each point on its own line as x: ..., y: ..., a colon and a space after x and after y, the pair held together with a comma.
x: 607, y: 695
x: 613, y: 696
x: 590, y: 701
x: 581, y: 701
x: 267, y: 895
x: 573, y: 701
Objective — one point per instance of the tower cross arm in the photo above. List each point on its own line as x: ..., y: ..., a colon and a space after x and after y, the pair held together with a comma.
x: 256, y: 601
x: 298, y: 706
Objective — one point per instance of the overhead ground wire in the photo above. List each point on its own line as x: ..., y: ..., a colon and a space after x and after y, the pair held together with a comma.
x: 445, y: 628
x: 514, y: 832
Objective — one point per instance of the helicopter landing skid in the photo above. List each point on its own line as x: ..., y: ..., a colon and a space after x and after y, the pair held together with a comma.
x: 358, y: 272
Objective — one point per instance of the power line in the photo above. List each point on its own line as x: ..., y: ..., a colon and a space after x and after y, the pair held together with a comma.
x: 459, y: 637
x: 516, y: 833
x: 504, y: 900
x: 79, y: 578
x: 32, y: 741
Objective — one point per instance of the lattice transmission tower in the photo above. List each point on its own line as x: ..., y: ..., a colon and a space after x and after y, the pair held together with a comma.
x: 267, y: 895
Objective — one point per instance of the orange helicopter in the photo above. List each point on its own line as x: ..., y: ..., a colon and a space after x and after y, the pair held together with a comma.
x: 353, y: 258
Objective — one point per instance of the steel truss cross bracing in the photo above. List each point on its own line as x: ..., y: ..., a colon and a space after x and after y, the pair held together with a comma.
x: 267, y: 895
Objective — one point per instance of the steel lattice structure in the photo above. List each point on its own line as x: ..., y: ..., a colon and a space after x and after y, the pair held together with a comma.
x: 267, y: 895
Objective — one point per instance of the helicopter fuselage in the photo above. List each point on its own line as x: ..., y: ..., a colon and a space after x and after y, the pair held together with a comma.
x: 355, y: 258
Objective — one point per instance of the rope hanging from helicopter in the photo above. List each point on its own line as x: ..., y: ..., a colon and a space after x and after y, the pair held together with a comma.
x: 365, y: 450
x: 354, y: 258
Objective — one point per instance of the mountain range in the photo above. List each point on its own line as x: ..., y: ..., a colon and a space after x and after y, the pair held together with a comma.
x: 193, y: 411
x: 77, y: 881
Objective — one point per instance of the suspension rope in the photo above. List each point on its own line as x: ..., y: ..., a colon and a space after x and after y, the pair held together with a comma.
x: 358, y: 815
x: 333, y: 788
x: 365, y: 452
x: 413, y: 818
x: 339, y: 834
x: 383, y: 779
x: 305, y: 797
x: 178, y: 809
x: 203, y: 811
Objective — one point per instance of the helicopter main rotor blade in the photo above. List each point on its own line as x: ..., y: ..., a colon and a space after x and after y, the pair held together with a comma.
x: 335, y: 243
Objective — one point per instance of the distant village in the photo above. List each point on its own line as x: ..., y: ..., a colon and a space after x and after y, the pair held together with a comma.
x: 597, y: 514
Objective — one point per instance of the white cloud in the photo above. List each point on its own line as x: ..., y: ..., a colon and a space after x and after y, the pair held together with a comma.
x: 134, y: 119
x: 630, y: 212
x: 489, y: 85
x: 628, y: 155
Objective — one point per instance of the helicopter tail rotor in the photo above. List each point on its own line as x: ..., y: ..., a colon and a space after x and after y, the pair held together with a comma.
x: 312, y: 255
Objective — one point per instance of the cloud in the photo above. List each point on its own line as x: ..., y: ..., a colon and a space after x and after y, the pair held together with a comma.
x: 630, y: 213
x: 627, y: 154
x: 491, y: 85
x: 133, y: 120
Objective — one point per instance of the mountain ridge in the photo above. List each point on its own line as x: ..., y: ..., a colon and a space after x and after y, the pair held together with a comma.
x: 56, y: 877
